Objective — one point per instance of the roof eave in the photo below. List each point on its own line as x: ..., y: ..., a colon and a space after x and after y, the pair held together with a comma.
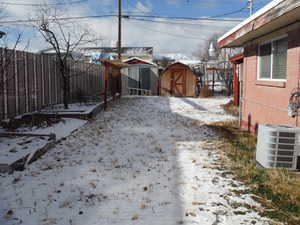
x: 268, y: 19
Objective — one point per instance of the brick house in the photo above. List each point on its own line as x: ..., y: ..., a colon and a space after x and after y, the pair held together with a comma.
x: 269, y: 71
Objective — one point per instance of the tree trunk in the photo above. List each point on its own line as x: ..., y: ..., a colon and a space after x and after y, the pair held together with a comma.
x: 229, y: 89
x: 66, y: 86
x: 66, y: 94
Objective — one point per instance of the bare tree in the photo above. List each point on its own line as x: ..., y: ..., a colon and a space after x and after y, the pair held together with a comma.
x: 219, y: 59
x: 226, y: 75
x: 65, y: 38
x: 165, y: 62
x: 203, y: 50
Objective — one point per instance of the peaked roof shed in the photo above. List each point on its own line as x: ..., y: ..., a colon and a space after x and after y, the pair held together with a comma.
x: 178, y: 80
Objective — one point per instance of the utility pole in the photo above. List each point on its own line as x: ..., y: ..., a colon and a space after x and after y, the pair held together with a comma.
x: 250, y: 7
x: 120, y: 30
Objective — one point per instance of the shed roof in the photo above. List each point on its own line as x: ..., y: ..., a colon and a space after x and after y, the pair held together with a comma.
x: 139, y: 59
x: 114, y: 63
x: 275, y: 15
x: 178, y: 63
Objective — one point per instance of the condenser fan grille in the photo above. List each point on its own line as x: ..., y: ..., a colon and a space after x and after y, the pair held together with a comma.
x: 277, y: 146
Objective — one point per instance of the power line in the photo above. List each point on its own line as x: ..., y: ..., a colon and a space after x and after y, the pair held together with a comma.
x: 185, y: 18
x: 233, y: 12
x: 168, y: 33
x: 46, y: 4
x: 173, y: 23
x: 60, y: 18
x: 124, y: 16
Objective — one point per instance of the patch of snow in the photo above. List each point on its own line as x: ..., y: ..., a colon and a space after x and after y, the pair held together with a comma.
x: 14, y: 148
x: 75, y: 108
x: 71, y: 107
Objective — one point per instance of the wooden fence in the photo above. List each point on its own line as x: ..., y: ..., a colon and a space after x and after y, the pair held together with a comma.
x: 29, y: 82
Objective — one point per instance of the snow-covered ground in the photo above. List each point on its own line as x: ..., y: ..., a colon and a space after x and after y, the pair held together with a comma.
x: 144, y: 161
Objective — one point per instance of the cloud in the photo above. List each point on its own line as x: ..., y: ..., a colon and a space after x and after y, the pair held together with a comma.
x: 164, y: 35
x: 142, y: 8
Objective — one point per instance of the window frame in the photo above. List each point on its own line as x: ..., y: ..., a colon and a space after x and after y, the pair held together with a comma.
x: 271, y: 41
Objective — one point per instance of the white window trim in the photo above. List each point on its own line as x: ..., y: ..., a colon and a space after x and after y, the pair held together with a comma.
x: 258, y: 60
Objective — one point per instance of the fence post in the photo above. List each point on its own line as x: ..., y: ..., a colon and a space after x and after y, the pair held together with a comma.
x: 42, y: 80
x: 5, y: 99
x: 26, y: 82
x: 35, y: 82
x: 49, y: 80
x: 15, y: 58
x: 105, y: 85
x: 55, y: 81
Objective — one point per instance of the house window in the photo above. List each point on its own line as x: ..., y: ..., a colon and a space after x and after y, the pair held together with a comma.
x: 273, y: 60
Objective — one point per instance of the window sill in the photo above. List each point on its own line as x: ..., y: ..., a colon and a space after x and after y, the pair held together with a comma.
x: 279, y: 84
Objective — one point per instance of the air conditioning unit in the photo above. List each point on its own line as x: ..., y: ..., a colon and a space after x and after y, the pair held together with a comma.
x: 278, y: 147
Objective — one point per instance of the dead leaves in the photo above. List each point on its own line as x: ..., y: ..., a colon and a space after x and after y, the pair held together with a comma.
x: 93, y: 170
x: 93, y: 185
x: 197, y: 203
x: 135, y: 217
x: 9, y: 213
x: 190, y: 214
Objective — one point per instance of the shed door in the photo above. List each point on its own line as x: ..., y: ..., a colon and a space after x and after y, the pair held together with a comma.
x: 145, y: 78
x: 133, y: 77
x: 178, y: 82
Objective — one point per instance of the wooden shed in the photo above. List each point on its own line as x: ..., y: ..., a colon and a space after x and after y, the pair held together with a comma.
x: 142, y: 75
x: 178, y: 80
x: 112, y: 79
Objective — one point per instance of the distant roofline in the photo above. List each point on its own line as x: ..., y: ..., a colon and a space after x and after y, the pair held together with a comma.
x: 98, y: 48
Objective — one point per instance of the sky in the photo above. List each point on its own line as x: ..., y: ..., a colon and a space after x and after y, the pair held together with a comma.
x: 165, y: 35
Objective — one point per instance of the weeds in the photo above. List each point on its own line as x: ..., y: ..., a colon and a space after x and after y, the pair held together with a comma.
x: 230, y: 108
x: 277, y: 190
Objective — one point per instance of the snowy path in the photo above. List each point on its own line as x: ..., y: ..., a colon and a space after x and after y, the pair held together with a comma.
x: 142, y: 162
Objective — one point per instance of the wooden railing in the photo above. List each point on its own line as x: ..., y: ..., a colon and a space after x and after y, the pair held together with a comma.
x: 138, y: 91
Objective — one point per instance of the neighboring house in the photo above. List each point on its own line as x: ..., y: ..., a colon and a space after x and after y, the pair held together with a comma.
x: 111, y: 53
x: 270, y: 69
x: 142, y: 74
x: 72, y: 55
x: 178, y: 80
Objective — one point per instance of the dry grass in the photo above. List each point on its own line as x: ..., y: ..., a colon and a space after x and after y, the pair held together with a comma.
x: 230, y: 108
x: 278, y: 190
x: 205, y: 92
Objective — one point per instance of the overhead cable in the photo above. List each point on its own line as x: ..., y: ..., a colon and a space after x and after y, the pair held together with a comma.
x: 46, y: 4
x: 124, y: 16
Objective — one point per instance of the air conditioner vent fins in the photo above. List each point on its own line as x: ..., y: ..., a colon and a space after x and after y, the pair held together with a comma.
x: 278, y: 147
